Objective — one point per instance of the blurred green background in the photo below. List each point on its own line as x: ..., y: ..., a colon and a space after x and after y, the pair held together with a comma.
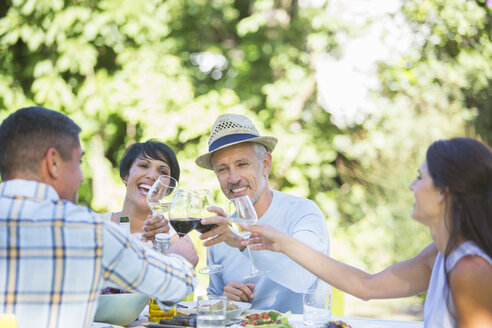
x: 354, y: 94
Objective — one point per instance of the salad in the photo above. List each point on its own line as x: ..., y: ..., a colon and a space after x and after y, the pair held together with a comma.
x: 267, y: 319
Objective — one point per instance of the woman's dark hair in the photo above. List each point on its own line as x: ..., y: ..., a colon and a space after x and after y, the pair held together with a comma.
x: 462, y: 168
x: 149, y: 149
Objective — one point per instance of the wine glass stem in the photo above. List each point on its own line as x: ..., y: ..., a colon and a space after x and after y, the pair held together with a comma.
x: 209, y: 257
x: 253, y: 266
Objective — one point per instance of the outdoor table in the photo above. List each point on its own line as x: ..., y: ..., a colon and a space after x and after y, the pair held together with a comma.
x: 296, y: 321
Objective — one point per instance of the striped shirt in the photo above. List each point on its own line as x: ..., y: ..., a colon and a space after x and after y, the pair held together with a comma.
x: 55, y: 257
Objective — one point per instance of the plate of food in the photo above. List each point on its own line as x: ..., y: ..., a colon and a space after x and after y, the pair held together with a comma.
x: 266, y: 319
x: 233, y: 310
x: 189, y: 321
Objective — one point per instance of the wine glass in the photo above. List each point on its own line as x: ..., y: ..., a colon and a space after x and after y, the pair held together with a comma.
x: 185, y: 211
x: 240, y: 210
x: 206, y: 200
x: 161, y: 194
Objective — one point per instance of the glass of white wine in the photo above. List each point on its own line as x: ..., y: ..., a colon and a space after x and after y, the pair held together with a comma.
x: 240, y: 210
x: 161, y: 194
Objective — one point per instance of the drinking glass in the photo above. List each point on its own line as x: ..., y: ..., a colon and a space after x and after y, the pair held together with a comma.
x: 211, y: 311
x: 161, y: 194
x: 316, y: 307
x: 240, y: 210
x: 206, y: 200
x: 185, y: 211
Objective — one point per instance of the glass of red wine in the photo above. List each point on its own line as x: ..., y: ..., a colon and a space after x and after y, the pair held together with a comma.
x: 185, y: 211
x: 206, y: 200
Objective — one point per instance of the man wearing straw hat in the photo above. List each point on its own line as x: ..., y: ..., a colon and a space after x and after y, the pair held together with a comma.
x: 241, y: 159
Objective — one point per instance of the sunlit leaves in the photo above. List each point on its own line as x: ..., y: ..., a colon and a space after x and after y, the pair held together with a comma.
x: 53, y: 91
x: 43, y: 67
x: 12, y: 95
x: 130, y: 70
x: 37, y: 7
x: 76, y: 56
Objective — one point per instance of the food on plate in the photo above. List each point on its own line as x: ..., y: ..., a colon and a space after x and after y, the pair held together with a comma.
x: 111, y: 290
x: 229, y: 306
x: 187, y: 321
x: 234, y: 309
x: 218, y: 305
x: 336, y: 324
x: 266, y: 319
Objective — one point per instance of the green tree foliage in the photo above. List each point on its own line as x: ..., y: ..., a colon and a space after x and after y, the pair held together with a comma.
x: 441, y: 88
x: 130, y: 70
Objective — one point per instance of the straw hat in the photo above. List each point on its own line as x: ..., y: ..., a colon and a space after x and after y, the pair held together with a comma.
x: 231, y: 129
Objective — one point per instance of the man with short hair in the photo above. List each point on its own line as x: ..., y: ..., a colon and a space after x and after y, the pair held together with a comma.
x: 242, y: 160
x: 56, y: 255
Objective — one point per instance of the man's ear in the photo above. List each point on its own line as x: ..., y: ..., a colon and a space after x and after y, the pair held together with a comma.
x: 53, y: 161
x: 125, y: 179
x: 267, y: 164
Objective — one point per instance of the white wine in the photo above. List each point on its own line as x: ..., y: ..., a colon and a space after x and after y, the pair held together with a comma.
x: 235, y: 225
x: 160, y: 208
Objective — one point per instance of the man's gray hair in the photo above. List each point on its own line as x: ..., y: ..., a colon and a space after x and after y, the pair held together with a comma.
x: 260, y: 150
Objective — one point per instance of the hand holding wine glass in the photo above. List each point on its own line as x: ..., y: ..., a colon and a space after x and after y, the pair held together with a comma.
x: 154, y: 224
x: 241, y: 211
x: 265, y: 237
x: 159, y: 198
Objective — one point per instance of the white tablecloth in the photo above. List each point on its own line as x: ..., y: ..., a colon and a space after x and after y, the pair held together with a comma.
x: 297, y: 322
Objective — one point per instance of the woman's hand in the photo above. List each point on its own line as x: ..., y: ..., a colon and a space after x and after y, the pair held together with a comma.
x: 263, y: 236
x: 154, y: 225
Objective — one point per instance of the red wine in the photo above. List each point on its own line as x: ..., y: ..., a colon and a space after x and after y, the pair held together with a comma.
x: 183, y: 226
x: 202, y: 228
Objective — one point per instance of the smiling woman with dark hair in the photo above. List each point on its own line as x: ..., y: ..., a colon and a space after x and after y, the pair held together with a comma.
x: 140, y: 166
x: 453, y: 197
x: 151, y: 149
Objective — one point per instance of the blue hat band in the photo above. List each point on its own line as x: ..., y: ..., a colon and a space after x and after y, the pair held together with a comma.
x: 230, y: 138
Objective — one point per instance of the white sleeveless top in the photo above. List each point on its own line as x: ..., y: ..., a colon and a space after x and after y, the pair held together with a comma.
x: 436, y: 313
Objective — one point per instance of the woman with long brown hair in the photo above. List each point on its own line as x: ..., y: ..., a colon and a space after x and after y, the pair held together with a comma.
x: 453, y: 197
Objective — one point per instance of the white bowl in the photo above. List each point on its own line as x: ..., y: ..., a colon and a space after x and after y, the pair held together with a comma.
x: 120, y: 309
x: 190, y: 308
